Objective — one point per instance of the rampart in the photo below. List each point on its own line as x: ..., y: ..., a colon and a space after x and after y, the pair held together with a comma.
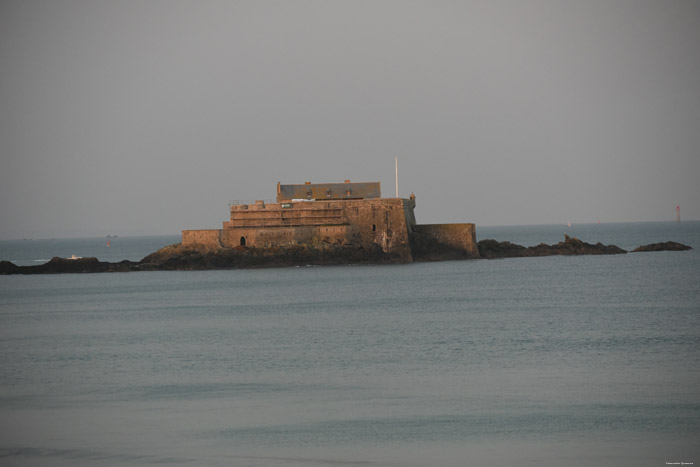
x: 444, y: 241
x: 208, y: 239
x: 374, y: 224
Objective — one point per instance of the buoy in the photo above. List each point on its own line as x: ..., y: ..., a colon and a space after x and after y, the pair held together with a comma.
x: 108, y: 243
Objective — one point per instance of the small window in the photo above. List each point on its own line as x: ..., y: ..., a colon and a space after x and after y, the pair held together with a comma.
x: 242, y: 241
x: 328, y: 193
x: 374, y: 227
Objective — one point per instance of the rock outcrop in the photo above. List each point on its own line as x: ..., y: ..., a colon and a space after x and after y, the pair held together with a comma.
x: 8, y: 267
x: 62, y: 265
x: 665, y: 246
x: 492, y: 249
x: 177, y: 257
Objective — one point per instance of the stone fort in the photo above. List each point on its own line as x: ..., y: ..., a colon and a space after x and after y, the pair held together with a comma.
x: 344, y: 214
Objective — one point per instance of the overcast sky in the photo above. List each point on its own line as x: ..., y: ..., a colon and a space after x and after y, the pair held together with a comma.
x: 148, y: 117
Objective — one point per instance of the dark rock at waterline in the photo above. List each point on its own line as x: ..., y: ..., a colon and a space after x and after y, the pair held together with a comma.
x: 62, y: 265
x: 492, y: 249
x: 177, y: 257
x: 665, y: 246
x: 574, y: 246
x: 7, y: 267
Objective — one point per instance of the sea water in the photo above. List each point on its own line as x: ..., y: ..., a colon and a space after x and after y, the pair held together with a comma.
x: 30, y: 252
x: 586, y: 360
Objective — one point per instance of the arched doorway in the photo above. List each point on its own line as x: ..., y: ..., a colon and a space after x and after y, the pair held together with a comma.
x: 242, y: 241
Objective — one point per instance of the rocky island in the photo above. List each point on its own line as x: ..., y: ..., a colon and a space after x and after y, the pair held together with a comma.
x: 182, y: 258
x: 323, y: 224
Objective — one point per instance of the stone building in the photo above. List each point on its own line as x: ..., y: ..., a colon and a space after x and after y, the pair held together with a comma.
x: 345, y: 214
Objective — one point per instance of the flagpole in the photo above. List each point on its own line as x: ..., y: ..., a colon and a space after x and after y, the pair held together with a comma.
x: 396, y: 160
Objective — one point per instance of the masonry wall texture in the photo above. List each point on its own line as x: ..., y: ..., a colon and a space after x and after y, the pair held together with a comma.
x: 445, y: 241
x: 201, y: 238
x: 371, y: 223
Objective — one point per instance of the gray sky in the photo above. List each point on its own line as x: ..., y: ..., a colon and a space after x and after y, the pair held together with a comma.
x: 148, y: 117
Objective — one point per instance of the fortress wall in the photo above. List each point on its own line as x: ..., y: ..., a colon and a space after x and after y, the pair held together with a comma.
x: 338, y: 234
x: 201, y: 238
x: 381, y: 222
x: 257, y: 237
x: 384, y: 223
x: 270, y: 237
x: 294, y: 215
x: 433, y: 240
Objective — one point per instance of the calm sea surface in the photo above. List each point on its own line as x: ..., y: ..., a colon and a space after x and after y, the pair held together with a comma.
x: 531, y: 361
